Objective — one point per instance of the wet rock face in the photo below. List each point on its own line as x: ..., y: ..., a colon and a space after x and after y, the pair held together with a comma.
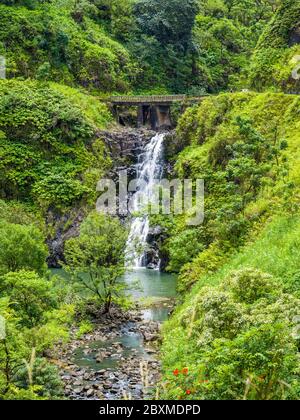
x: 124, y: 145
x: 294, y: 37
x: 66, y: 226
x: 155, y: 239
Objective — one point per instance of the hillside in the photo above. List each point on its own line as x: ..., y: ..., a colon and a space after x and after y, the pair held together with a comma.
x: 277, y: 52
x: 60, y: 40
x: 239, y: 271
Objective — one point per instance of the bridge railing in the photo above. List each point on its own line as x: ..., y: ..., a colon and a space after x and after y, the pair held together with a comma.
x: 148, y: 99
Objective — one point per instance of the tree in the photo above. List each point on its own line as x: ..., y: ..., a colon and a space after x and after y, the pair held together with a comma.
x: 43, y: 376
x: 95, y: 259
x: 170, y: 22
x: 22, y: 374
x: 30, y: 295
x: 162, y: 43
x: 21, y: 247
x: 122, y: 19
x: 12, y: 347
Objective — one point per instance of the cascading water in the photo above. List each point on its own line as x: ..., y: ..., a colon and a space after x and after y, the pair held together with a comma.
x: 149, y: 170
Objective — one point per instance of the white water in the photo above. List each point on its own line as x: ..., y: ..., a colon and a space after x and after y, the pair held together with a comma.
x: 149, y: 170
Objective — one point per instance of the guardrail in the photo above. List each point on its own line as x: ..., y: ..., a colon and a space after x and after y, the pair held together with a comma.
x: 153, y: 99
x: 147, y: 99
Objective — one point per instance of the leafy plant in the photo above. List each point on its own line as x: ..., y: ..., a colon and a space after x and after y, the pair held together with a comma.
x: 30, y: 295
x: 21, y: 247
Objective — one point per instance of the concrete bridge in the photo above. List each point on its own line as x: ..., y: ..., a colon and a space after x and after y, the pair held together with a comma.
x: 153, y: 111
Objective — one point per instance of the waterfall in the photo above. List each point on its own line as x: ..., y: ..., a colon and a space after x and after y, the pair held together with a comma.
x: 149, y: 169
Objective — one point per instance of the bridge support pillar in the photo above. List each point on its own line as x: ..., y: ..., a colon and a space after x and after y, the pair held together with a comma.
x: 156, y: 117
x: 145, y: 116
x: 116, y: 113
x: 160, y: 117
x: 140, y: 116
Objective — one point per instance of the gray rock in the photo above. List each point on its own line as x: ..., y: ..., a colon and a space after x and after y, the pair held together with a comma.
x: 89, y: 392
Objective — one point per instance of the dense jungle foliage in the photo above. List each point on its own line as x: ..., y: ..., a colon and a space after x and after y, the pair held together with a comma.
x: 50, y: 152
x: 141, y: 45
x: 235, y: 331
x: 277, y: 52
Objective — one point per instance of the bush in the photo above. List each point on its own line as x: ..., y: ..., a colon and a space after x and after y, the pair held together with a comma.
x: 183, y: 247
x: 21, y: 247
x: 206, y: 263
x: 85, y: 327
x: 44, y: 377
x: 30, y: 295
x: 214, y: 314
x: 249, y: 285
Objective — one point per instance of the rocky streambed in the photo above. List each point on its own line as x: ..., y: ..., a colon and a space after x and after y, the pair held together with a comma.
x: 119, y: 359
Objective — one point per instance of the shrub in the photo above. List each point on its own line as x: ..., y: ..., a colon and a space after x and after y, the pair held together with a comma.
x: 249, y: 285
x: 44, y: 377
x: 85, y: 327
x: 30, y: 295
x: 21, y: 247
x: 260, y: 364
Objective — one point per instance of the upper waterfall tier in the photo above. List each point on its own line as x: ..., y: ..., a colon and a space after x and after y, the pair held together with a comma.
x: 149, y: 170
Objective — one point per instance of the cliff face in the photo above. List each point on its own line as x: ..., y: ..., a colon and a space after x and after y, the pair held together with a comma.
x: 124, y: 145
x: 294, y: 36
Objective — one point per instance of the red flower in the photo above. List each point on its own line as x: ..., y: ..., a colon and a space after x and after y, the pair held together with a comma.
x: 185, y: 371
x: 176, y: 372
x: 188, y: 392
